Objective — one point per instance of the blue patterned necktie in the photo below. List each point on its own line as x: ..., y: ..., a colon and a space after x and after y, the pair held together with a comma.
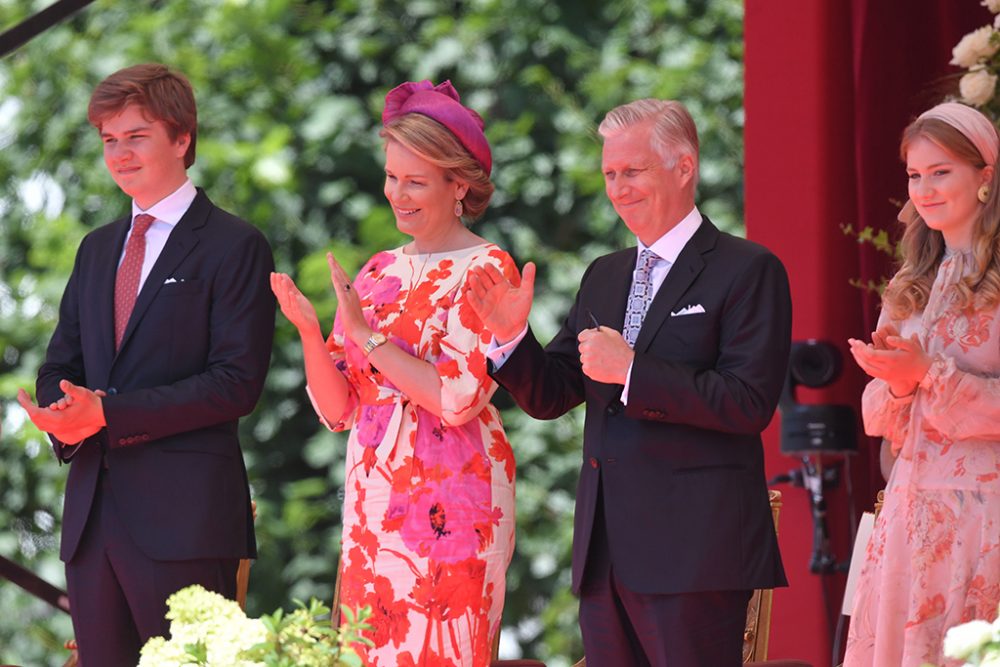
x: 640, y: 297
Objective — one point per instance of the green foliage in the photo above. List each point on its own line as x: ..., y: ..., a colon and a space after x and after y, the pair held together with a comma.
x: 207, y: 630
x: 305, y: 637
x: 880, y: 241
x: 290, y: 93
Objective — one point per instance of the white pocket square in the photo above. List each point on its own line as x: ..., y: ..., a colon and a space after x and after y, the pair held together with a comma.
x: 689, y: 310
x: 169, y: 280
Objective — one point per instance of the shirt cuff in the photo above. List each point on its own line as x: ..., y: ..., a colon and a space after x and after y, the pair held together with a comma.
x: 69, y: 451
x: 628, y: 381
x: 498, y: 354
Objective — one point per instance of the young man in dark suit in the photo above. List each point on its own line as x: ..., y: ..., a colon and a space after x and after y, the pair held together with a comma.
x: 163, y: 343
x: 679, y: 348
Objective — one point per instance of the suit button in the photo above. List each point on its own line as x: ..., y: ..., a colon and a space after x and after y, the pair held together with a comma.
x: 111, y: 391
x: 593, y: 462
x: 613, y: 409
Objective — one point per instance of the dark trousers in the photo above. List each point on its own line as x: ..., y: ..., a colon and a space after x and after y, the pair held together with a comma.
x: 118, y: 595
x: 622, y: 628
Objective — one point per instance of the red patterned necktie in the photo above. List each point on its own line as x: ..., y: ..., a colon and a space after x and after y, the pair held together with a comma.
x: 127, y: 280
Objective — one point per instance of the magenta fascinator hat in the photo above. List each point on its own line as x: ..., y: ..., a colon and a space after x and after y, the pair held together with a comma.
x: 441, y: 103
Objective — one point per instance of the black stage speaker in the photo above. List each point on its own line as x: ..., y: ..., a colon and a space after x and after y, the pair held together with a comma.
x: 809, y: 429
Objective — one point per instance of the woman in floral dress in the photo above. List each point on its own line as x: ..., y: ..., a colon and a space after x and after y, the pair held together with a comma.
x: 429, y: 508
x: 934, y: 558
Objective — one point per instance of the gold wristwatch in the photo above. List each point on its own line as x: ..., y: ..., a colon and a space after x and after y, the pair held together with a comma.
x: 374, y: 341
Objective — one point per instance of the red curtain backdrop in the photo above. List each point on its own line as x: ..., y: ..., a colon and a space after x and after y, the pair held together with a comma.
x: 830, y: 85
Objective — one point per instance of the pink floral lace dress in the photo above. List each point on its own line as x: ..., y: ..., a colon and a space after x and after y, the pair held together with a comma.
x: 429, y: 501
x: 934, y: 558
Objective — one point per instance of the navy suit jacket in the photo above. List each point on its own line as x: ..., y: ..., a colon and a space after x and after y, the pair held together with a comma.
x: 192, y: 362
x: 681, y: 465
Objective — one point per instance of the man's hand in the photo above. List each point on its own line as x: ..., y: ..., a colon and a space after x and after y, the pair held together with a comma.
x: 76, y: 416
x: 605, y: 355
x: 502, y: 306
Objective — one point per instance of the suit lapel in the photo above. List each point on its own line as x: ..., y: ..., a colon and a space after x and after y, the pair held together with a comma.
x: 617, y: 283
x: 685, y: 270
x: 181, y: 242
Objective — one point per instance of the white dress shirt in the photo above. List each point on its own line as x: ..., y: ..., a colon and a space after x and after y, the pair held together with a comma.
x: 168, y: 212
x: 667, y: 247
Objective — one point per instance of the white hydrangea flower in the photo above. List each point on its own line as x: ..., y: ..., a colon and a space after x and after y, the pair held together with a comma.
x: 158, y: 652
x: 977, y: 87
x: 991, y: 659
x: 992, y: 5
x: 963, y: 641
x: 974, y: 47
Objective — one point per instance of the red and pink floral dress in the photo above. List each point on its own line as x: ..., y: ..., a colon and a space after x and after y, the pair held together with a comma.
x: 429, y: 501
x: 934, y: 558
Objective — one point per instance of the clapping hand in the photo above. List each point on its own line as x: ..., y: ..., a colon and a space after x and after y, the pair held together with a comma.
x: 502, y: 305
x: 79, y: 414
x: 356, y: 327
x: 901, y: 362
x: 294, y: 304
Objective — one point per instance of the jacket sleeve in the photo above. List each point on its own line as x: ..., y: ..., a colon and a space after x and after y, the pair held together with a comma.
x: 64, y: 355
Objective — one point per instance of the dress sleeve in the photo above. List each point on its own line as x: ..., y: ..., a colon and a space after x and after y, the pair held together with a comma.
x: 884, y: 414
x: 335, y: 346
x: 466, y: 387
x: 959, y: 404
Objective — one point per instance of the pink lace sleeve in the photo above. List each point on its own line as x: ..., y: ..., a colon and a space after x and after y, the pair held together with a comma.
x: 883, y: 414
x: 961, y: 405
x: 466, y: 387
x: 886, y: 415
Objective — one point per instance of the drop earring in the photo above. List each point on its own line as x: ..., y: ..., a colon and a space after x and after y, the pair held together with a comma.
x: 984, y: 193
x: 459, y: 209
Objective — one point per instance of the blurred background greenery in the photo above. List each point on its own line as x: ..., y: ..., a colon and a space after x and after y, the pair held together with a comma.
x: 290, y: 95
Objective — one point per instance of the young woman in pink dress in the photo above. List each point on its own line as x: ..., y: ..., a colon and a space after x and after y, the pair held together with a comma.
x: 429, y: 498
x: 934, y: 558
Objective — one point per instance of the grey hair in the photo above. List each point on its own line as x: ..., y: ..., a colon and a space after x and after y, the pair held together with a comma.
x: 674, y: 131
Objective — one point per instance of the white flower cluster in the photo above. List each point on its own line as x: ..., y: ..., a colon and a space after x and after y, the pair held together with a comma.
x: 210, y: 622
x: 975, y: 52
x: 976, y: 642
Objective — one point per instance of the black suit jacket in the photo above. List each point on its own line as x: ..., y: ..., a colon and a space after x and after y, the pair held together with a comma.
x: 192, y: 361
x: 681, y: 465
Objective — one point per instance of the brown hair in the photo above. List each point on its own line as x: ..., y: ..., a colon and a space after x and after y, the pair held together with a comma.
x: 923, y: 247
x: 163, y: 94
x: 435, y: 143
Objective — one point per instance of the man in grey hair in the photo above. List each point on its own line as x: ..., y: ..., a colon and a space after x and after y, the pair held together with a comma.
x: 679, y: 348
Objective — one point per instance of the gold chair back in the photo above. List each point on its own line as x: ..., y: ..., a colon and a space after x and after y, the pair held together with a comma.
x: 758, y: 627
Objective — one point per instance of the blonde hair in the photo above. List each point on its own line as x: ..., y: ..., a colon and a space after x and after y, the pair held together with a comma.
x: 923, y: 247
x: 435, y: 143
x: 674, y: 131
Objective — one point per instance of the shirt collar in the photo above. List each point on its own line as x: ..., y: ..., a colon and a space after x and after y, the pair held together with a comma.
x: 669, y: 245
x: 171, y: 208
